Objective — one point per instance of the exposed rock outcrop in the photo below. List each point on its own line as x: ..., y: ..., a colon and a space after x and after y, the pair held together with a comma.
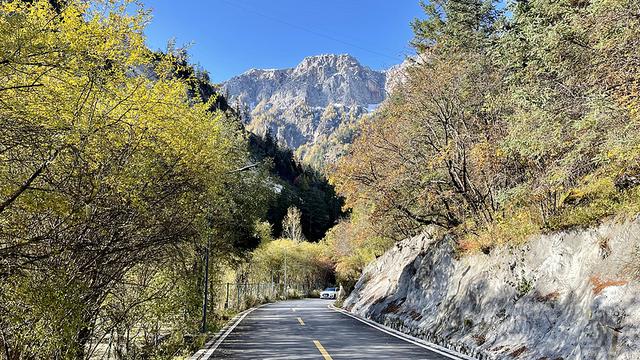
x: 569, y: 295
x: 301, y: 105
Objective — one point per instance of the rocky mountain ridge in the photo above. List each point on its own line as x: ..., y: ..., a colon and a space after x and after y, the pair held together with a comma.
x: 307, y: 104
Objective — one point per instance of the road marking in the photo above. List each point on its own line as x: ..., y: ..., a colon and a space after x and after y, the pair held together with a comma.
x: 324, y: 352
x: 209, y: 352
x: 408, y: 338
x: 292, y: 309
x: 300, y: 321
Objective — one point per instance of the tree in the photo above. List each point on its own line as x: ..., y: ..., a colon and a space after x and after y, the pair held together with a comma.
x: 291, y: 226
x: 506, y: 124
x: 567, y: 71
x: 111, y: 169
x: 454, y: 26
x: 429, y: 158
x: 307, y: 264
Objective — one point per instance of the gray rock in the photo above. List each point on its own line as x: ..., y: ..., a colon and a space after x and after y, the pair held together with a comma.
x: 310, y: 101
x: 559, y: 296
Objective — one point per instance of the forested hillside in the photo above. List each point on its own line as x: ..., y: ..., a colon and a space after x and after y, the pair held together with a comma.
x: 298, y: 185
x: 293, y: 182
x: 123, y: 174
x: 513, y: 121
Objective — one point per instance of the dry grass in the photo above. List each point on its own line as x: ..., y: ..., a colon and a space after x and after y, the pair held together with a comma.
x: 596, y: 199
x: 600, y: 284
x: 605, y: 249
x: 393, y: 307
x: 479, y: 339
x: 514, y: 229
x: 550, y: 297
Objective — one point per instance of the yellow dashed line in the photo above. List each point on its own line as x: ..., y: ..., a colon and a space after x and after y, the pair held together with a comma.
x: 324, y: 352
x: 300, y: 321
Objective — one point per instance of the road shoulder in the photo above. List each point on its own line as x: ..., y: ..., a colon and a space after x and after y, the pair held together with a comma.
x: 408, y: 338
x: 211, y: 346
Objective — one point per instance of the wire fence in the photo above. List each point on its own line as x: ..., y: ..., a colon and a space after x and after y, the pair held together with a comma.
x: 239, y: 296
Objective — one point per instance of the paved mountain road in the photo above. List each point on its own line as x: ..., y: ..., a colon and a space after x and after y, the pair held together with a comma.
x: 309, y: 329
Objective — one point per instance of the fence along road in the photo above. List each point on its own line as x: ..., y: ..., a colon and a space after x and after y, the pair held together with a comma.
x: 238, y: 295
x: 309, y: 329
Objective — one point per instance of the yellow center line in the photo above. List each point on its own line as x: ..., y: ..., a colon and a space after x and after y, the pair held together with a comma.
x: 300, y: 321
x: 324, y: 352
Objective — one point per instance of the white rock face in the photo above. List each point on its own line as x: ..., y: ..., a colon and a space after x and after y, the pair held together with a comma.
x: 397, y: 75
x: 569, y: 295
x: 290, y: 103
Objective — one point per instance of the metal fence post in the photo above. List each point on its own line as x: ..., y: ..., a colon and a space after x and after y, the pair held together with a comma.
x: 205, y: 296
x: 226, y: 303
x: 237, y: 296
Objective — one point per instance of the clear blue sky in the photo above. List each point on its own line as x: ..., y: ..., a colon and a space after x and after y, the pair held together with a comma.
x: 231, y: 36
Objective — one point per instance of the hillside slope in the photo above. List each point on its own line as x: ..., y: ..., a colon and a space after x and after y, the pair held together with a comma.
x: 569, y: 295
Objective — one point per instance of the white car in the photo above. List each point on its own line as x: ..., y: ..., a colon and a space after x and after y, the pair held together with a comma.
x: 329, y: 293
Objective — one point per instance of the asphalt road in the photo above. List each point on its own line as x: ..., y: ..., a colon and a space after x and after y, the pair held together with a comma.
x: 308, y: 329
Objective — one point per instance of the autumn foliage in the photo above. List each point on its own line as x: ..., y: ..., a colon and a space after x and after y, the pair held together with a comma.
x: 114, y: 178
x: 511, y: 121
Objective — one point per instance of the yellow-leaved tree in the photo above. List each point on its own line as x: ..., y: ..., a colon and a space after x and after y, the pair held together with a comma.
x: 108, y: 167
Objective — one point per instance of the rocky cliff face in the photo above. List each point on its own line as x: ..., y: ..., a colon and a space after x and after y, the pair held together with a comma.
x: 308, y: 103
x: 569, y: 295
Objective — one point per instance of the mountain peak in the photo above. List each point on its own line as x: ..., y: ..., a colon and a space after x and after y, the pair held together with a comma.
x: 291, y: 103
x: 328, y: 61
x: 330, y: 58
x: 321, y: 60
